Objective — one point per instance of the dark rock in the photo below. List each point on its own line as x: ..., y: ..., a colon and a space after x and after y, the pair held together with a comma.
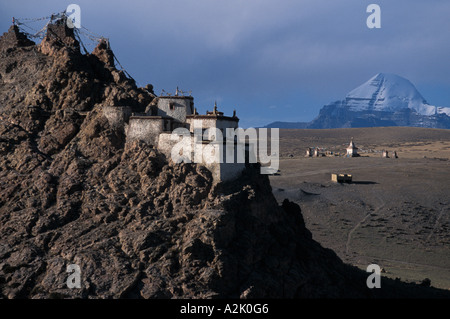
x: 72, y: 191
x: 14, y: 39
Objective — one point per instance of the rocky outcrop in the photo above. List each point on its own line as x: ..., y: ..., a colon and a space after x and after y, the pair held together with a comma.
x: 54, y: 75
x: 72, y: 191
x: 14, y: 39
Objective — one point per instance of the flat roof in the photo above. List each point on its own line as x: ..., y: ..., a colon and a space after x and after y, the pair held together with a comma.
x: 212, y: 116
x: 149, y: 117
x: 175, y: 97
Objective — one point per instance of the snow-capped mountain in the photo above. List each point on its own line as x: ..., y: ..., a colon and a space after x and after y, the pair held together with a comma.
x: 384, y: 100
x: 389, y: 93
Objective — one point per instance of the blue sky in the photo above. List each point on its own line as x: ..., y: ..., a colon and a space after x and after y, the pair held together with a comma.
x: 270, y: 60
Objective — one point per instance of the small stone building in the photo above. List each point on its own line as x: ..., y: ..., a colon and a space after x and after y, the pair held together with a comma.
x: 308, y: 152
x: 352, y: 150
x: 213, y: 119
x: 164, y: 115
x: 341, y: 178
x: 167, y: 113
x: 316, y: 152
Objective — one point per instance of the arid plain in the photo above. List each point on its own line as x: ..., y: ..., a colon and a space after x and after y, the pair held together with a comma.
x: 396, y: 211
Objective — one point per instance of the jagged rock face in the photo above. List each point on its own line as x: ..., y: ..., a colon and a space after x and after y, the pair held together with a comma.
x: 14, y: 38
x: 54, y: 75
x: 58, y: 35
x: 140, y: 226
x: 72, y: 191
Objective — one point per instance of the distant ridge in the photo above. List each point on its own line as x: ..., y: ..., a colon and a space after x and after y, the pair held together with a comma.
x: 384, y: 100
x: 287, y: 125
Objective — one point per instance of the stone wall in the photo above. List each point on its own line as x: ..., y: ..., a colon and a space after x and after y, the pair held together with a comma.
x: 223, y: 123
x: 166, y: 144
x: 208, y: 121
x: 145, y: 128
x: 211, y: 122
x: 211, y: 154
x: 176, y: 107
x: 118, y: 116
x: 224, y: 171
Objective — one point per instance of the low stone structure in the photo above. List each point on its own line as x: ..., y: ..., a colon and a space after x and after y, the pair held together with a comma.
x: 117, y: 116
x: 308, y: 152
x: 316, y: 152
x: 352, y: 150
x: 341, y: 178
